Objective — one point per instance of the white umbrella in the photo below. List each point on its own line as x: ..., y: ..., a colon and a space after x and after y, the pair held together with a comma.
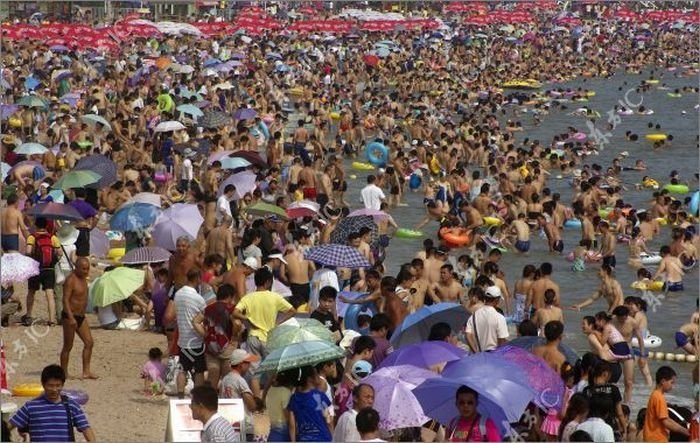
x: 31, y: 149
x: 169, y: 126
x: 93, y: 119
x: 181, y: 69
x: 148, y: 198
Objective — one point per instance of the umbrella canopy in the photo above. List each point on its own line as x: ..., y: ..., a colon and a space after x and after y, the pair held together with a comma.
x: 54, y: 211
x: 541, y: 377
x: 31, y: 149
x: 416, y: 327
x: 77, y: 179
x: 252, y: 157
x: 424, y: 355
x: 374, y: 213
x: 99, y: 243
x: 245, y: 114
x: 244, y: 182
x: 264, y: 209
x: 16, y: 267
x: 134, y: 216
x: 103, y: 166
x: 304, y: 208
x: 115, y: 286
x: 177, y: 221
x: 219, y: 156
x: 190, y: 110
x: 529, y: 343
x: 148, y: 198
x: 32, y: 101
x: 298, y: 331
x: 94, y: 119
x: 349, y: 225
x: 147, y: 254
x: 234, y: 163
x: 393, y: 396
x: 296, y: 355
x: 338, y: 256
x: 214, y: 119
x: 169, y: 126
x: 4, y: 170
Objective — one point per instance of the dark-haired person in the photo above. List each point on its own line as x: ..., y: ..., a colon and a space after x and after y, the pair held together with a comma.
x: 609, y: 289
x: 45, y: 248
x: 12, y: 224
x: 657, y: 423
x: 346, y: 428
x: 89, y: 221
x: 610, y: 409
x: 204, y: 407
x: 595, y: 425
x: 51, y: 416
x: 549, y: 352
x: 638, y: 312
x: 535, y: 293
x: 379, y: 330
x: 469, y: 425
x: 673, y: 269
x: 619, y: 346
x: 188, y: 305
x: 367, y: 422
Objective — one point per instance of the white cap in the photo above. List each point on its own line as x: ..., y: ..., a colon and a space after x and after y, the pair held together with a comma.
x: 278, y: 256
x: 493, y: 292
x: 252, y: 263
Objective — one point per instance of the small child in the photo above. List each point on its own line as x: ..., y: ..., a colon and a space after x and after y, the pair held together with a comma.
x: 363, y: 350
x: 153, y: 373
x: 552, y: 422
x: 580, y: 257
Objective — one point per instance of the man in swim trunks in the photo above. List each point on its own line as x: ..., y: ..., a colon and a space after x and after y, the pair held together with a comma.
x: 546, y: 222
x: 610, y: 289
x: 687, y: 337
x: 12, y: 224
x: 299, y: 272
x: 521, y: 230
x: 608, y: 244
x: 673, y: 268
x: 75, y: 298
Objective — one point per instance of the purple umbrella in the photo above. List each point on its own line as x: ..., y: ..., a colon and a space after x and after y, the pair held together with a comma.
x: 7, y: 110
x: 59, y: 48
x: 147, y: 254
x: 244, y: 182
x: 54, y: 211
x: 338, y: 256
x: 393, y: 396
x: 71, y: 99
x: 16, y: 267
x: 177, y: 221
x: 244, y: 114
x: 99, y: 243
x: 545, y: 381
x: 424, y: 355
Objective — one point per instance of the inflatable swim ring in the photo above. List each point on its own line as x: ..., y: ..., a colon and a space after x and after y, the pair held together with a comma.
x: 408, y: 233
x: 579, y: 136
x: 650, y: 183
x: 650, y: 259
x: 677, y: 189
x: 28, y: 390
x: 359, y: 166
x: 662, y: 221
x: 572, y: 223
x: 651, y: 81
x: 455, y: 236
x: 655, y: 137
x: 377, y: 154
x: 650, y: 286
x: 694, y: 205
x: 590, y: 94
x: 650, y: 342
x: 625, y: 112
x: 414, y: 182
x: 492, y: 221
x: 604, y: 212
x: 268, y: 118
x: 674, y: 95
x: 15, y: 122
x: 590, y: 257
x: 353, y: 312
x: 334, y: 115
x: 296, y: 91
x: 116, y: 253
x: 77, y: 395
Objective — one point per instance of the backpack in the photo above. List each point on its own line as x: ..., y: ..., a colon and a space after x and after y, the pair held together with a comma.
x: 217, y: 338
x: 43, y: 251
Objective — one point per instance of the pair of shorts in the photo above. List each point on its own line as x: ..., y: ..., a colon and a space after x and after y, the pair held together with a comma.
x: 310, y: 193
x: 558, y: 246
x: 522, y: 246
x: 673, y: 286
x: 681, y: 339
x: 82, y: 244
x: 610, y: 261
x: 10, y: 242
x: 621, y: 350
x: 300, y: 294
x: 193, y: 360
x: 46, y: 280
x: 394, y: 190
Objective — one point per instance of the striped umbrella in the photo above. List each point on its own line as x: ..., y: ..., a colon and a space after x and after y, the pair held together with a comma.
x: 147, y: 254
x: 338, y: 256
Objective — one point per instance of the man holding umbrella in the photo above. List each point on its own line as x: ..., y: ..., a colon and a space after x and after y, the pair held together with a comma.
x: 89, y: 214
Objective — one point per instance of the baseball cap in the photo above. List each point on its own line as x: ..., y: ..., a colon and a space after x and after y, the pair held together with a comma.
x: 279, y: 256
x: 361, y: 369
x: 239, y: 356
x: 493, y: 292
x: 252, y: 263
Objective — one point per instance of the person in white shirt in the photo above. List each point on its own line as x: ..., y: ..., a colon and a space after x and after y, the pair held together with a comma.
x: 372, y: 195
x: 188, y: 303
x: 487, y: 328
x: 595, y: 425
x: 346, y: 428
x: 187, y: 170
x: 223, y: 204
x: 368, y: 424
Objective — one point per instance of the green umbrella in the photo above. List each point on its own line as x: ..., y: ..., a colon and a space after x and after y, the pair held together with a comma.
x: 296, y: 355
x: 115, y: 286
x: 266, y: 209
x: 77, y: 179
x: 298, y: 331
x: 32, y: 101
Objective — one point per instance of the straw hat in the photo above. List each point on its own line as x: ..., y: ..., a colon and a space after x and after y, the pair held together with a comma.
x: 67, y: 235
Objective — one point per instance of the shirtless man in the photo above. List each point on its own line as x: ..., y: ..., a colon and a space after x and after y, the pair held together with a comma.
x: 308, y: 175
x: 549, y: 312
x: 447, y: 289
x: 220, y: 241
x: 326, y: 185
x: 550, y: 352
x: 298, y: 271
x: 237, y: 276
x: 610, y: 289
x: 607, y: 244
x: 647, y: 225
x: 535, y: 295
x: 629, y: 328
x: 521, y: 230
x: 552, y: 231
x: 587, y: 228
x: 432, y: 264
x: 673, y: 268
x: 687, y: 337
x: 75, y: 298
x: 12, y: 225
x: 482, y: 202
x: 181, y: 262
x: 394, y: 307
x: 420, y: 284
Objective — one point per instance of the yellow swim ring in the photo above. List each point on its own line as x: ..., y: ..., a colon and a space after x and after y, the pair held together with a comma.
x: 590, y: 94
x: 116, y: 253
x: 652, y: 81
x: 296, y: 91
x: 360, y: 166
x: 655, y: 137
x: 492, y: 221
x: 28, y: 390
x: 334, y: 115
x: 15, y: 122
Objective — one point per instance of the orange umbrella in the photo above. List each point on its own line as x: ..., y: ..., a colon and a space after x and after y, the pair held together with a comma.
x: 163, y: 62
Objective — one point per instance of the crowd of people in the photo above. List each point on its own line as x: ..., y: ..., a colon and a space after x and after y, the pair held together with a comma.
x: 287, y: 127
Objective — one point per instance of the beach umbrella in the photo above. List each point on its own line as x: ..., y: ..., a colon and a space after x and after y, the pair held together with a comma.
x: 253, y: 157
x: 77, y: 179
x: 177, y: 221
x: 57, y: 196
x: 264, y: 209
x: 7, y: 110
x: 169, y: 126
x: 245, y: 114
x: 381, y: 52
x: 244, y: 182
x: 181, y: 69
x: 146, y: 254
x: 529, y: 343
x: 60, y: 74
x: 291, y: 332
x: 133, y: 217
x: 424, y: 355
x: 393, y: 396
x: 415, y: 328
x: 371, y: 60
x: 59, y: 48
x: 31, y: 149
x: 31, y: 83
x: 94, y: 119
x: 348, y: 225
x: 54, y: 211
x: 100, y: 164
x: 304, y: 208
x: 149, y: 198
x: 190, y: 110
x: 214, y: 119
x: 234, y: 163
x: 369, y: 212
x: 163, y: 62
x: 296, y: 355
x: 541, y: 377
x: 32, y: 101
x: 116, y: 285
x: 218, y: 156
x: 99, y: 243
x: 4, y: 170
x: 16, y: 267
x: 338, y: 256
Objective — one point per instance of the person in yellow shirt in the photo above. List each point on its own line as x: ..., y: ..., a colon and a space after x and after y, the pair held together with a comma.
x: 657, y: 422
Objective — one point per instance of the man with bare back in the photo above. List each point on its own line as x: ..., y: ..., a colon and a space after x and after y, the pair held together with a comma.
x: 75, y: 298
x: 12, y: 225
x: 549, y: 352
x: 535, y: 296
x: 298, y: 272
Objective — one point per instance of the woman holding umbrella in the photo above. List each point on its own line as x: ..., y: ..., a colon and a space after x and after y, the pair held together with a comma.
x: 470, y: 426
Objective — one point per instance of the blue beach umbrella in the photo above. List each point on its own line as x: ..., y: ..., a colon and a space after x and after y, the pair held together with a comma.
x: 416, y: 327
x: 134, y: 216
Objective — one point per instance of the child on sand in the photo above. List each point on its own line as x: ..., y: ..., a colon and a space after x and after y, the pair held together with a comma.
x: 153, y: 373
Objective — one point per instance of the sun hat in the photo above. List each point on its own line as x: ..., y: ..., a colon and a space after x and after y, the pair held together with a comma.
x: 361, y: 369
x: 239, y: 356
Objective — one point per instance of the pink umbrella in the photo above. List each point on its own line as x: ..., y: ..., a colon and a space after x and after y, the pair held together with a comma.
x: 304, y: 208
x: 378, y: 215
x: 16, y: 267
x: 217, y: 156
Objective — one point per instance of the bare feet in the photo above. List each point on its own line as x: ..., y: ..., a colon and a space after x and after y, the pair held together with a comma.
x: 90, y: 376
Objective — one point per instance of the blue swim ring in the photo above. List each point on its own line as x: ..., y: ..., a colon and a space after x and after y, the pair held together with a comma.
x: 695, y: 204
x: 353, y: 312
x: 414, y: 182
x: 572, y: 223
x: 377, y: 154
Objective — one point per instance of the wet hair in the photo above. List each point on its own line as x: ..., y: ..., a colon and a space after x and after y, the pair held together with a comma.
x: 380, y: 321
x: 664, y: 373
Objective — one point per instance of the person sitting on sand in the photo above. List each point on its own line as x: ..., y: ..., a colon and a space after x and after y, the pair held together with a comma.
x: 153, y: 373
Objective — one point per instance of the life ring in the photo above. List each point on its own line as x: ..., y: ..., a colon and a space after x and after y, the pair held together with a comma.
x: 268, y: 118
x: 492, y: 221
x: 694, y: 205
x: 28, y: 390
x: 677, y: 189
x: 116, y: 253
x: 589, y: 93
x: 674, y: 95
x: 623, y: 238
x: 656, y: 137
x: 652, y: 81
x: 650, y: 183
x: 579, y: 136
x: 360, y: 166
x: 353, y: 312
x: 650, y: 342
x: 662, y: 221
x: 79, y: 396
x: 455, y: 237
x: 572, y: 223
x: 377, y: 154
x: 604, y: 212
x: 334, y: 115
x: 408, y: 233
x: 649, y: 259
x: 625, y: 112
x: 262, y: 127
x: 414, y: 182
x: 296, y: 92
x: 657, y: 285
x: 589, y: 257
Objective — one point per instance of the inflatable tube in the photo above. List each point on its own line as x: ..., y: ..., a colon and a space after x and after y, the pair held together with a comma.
x: 648, y: 286
x: 377, y: 154
x: 650, y: 342
x: 296, y: 91
x: 15, y: 122
x: 492, y: 221
x: 649, y: 259
x: 414, y: 182
x: 116, y: 253
x: 455, y: 237
x: 682, y: 358
x: 655, y: 137
x: 262, y: 127
x: 674, y: 95
x: 625, y: 112
x: 360, y: 166
x: 268, y: 118
x: 694, y: 205
x: 677, y: 189
x: 650, y: 183
x: 28, y: 390
x: 579, y: 136
x: 652, y: 81
x: 573, y: 223
x: 589, y: 93
x: 334, y: 115
x: 77, y: 395
x: 604, y: 212
x: 353, y: 312
x: 662, y: 221
x: 408, y: 233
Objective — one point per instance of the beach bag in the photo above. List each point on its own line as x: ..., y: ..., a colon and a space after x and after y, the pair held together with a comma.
x: 44, y: 251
